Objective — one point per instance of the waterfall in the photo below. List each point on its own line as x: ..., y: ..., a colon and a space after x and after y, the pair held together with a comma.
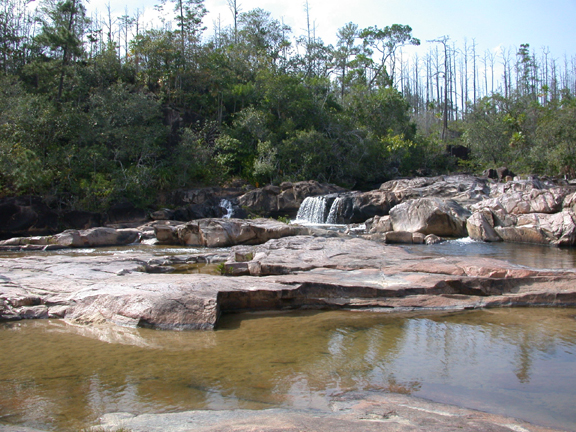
x: 335, y: 211
x: 228, y: 208
x: 321, y: 210
x: 312, y: 210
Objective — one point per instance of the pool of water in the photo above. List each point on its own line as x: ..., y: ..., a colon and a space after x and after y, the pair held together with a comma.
x: 530, y: 255
x: 517, y: 362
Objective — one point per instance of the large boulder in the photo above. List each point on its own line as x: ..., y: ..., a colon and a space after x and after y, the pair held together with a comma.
x: 226, y: 232
x: 444, y: 218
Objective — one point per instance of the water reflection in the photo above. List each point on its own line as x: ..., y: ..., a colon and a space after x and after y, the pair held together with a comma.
x: 518, y: 362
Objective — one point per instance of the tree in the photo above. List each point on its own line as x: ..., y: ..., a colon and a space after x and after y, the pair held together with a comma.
x: 345, y: 52
x: 63, y: 24
x: 386, y: 42
x: 189, y: 15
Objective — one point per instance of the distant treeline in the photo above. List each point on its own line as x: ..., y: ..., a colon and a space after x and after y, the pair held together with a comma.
x: 95, y: 110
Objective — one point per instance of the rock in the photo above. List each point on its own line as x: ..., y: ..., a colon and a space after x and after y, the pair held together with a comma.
x: 490, y: 173
x: 557, y: 229
x: 480, y: 226
x: 125, y: 212
x: 81, y: 219
x: 163, y: 214
x: 570, y: 202
x: 26, y: 216
x: 226, y: 232
x: 370, y: 204
x: 504, y: 173
x: 432, y: 239
x: 358, y: 411
x: 286, y: 273
x: 92, y: 237
x: 524, y: 202
x: 430, y: 216
x: 401, y: 237
x: 464, y: 189
x: 379, y: 224
x: 96, y: 237
x: 458, y: 151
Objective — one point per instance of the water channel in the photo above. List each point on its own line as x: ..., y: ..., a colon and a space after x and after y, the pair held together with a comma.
x: 517, y: 362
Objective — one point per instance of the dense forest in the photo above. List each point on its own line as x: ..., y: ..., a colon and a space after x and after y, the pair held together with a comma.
x: 99, y: 109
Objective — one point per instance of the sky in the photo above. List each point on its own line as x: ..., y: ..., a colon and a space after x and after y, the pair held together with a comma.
x: 490, y: 23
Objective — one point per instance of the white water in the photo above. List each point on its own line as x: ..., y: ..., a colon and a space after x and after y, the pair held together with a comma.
x: 314, y: 211
x: 335, y: 210
x: 227, y: 206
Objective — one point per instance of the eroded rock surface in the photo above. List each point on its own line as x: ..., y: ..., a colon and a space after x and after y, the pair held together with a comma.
x: 287, y: 273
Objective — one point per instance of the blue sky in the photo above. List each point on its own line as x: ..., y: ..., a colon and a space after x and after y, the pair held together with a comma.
x: 492, y: 23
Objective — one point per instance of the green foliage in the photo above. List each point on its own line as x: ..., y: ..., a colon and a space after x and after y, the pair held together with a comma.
x: 555, y: 142
x: 91, y: 123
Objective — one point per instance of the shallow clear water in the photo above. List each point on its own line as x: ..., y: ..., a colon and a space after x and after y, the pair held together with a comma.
x: 530, y: 255
x: 518, y: 362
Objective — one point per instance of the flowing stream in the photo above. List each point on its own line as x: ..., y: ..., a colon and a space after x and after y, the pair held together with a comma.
x: 517, y: 362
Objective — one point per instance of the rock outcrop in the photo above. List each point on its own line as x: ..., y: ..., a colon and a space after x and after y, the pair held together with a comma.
x: 288, y: 273
x: 525, y: 212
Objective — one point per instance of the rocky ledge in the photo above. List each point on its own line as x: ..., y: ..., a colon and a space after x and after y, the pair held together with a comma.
x: 140, y: 289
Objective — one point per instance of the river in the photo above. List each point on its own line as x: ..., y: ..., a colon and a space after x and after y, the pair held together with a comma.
x: 516, y: 362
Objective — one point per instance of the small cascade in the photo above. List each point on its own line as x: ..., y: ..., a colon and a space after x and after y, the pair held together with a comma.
x: 327, y: 209
x: 312, y: 210
x: 228, y: 208
x: 336, y: 210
